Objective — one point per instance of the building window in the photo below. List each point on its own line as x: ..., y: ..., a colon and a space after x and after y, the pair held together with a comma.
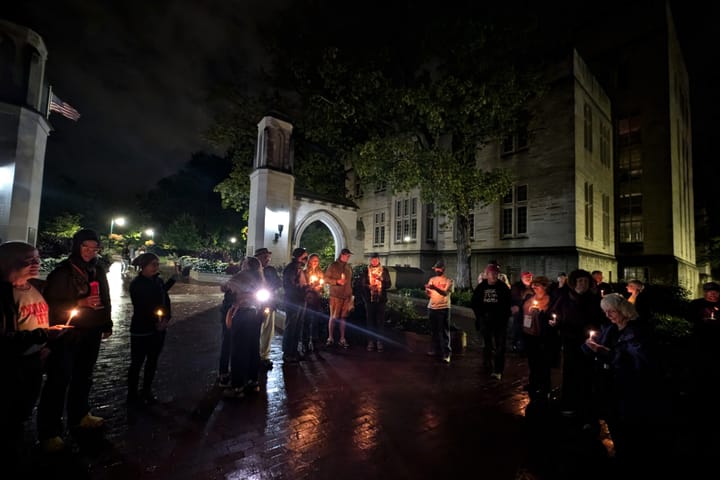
x: 589, y: 227
x: 630, y: 211
x: 605, y: 145
x: 606, y: 219
x: 380, y: 187
x: 430, y: 223
x: 635, y: 273
x: 406, y: 220
x: 587, y: 137
x: 379, y: 229
x: 629, y: 132
x: 515, y: 143
x: 514, y: 213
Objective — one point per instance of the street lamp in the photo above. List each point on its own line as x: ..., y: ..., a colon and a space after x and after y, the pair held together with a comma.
x: 150, y: 233
x: 119, y: 221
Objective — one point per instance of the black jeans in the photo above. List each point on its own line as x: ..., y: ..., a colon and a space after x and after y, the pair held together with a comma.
x: 494, y: 332
x: 245, y: 356
x: 440, y: 328
x: 144, y: 349
x: 375, y: 317
x: 69, y: 371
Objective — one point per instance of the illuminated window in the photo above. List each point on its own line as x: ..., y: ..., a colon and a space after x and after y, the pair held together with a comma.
x: 630, y: 211
x: 406, y: 220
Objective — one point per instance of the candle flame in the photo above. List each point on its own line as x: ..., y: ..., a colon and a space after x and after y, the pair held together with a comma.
x: 159, y: 312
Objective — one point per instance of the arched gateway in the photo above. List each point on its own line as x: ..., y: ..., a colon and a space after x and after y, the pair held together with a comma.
x: 278, y: 216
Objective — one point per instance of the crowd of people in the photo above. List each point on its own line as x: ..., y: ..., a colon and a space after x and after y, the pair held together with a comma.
x: 602, y: 341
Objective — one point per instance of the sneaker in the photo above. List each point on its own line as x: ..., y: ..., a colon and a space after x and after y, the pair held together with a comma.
x: 370, y: 346
x: 224, y: 380
x: 496, y: 376
x: 380, y: 347
x: 91, y: 421
x: 343, y: 343
x: 329, y: 342
x: 446, y: 358
x: 53, y: 445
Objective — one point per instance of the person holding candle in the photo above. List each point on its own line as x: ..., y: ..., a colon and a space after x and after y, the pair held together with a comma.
x: 245, y: 319
x: 339, y: 276
x: 627, y: 392
x: 539, y: 339
x: 374, y: 284
x: 577, y: 312
x: 274, y: 284
x: 439, y: 291
x: 24, y: 331
x: 78, y: 282
x: 313, y: 301
x: 519, y: 292
x: 151, y: 314
x: 491, y: 304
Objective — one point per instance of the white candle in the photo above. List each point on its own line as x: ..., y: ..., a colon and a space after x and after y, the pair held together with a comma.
x: 592, y: 332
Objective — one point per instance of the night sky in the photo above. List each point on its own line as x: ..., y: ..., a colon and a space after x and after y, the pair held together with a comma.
x: 142, y: 72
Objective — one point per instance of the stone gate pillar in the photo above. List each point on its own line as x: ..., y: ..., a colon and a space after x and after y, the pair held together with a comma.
x: 272, y: 191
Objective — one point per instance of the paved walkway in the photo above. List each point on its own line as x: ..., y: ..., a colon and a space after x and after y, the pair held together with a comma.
x: 343, y: 414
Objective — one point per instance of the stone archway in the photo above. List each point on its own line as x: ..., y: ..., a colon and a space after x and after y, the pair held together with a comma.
x: 327, y: 218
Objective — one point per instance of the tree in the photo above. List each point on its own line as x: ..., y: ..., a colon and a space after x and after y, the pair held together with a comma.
x: 55, y: 236
x: 406, y: 102
x: 182, y: 234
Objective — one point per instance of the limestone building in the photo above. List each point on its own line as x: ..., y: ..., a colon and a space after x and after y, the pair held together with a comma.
x: 23, y: 130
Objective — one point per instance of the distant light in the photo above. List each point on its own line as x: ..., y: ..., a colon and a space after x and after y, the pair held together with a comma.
x: 407, y: 239
x: 149, y: 232
x: 120, y: 221
x: 233, y: 239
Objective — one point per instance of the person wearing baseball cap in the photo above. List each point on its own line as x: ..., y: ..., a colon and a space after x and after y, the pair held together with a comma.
x: 439, y: 289
x: 339, y: 276
x: 491, y: 304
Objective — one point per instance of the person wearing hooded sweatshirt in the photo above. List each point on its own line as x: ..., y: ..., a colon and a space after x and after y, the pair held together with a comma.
x: 151, y: 314
x: 77, y: 293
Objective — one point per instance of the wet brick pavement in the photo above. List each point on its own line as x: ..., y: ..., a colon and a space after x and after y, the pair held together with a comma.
x: 347, y: 414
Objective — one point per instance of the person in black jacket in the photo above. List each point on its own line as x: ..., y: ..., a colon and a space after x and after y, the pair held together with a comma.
x: 76, y: 292
x: 374, y: 283
x: 151, y: 314
x: 491, y: 304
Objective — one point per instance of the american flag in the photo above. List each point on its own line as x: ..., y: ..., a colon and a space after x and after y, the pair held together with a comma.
x: 64, y: 109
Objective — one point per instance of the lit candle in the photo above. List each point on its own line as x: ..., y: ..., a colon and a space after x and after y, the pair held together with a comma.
x: 342, y: 276
x: 322, y: 281
x: 313, y: 278
x: 592, y: 332
x: 602, y: 293
x: 535, y: 304
x: 73, y: 312
x: 554, y: 318
x: 160, y: 314
x: 712, y: 314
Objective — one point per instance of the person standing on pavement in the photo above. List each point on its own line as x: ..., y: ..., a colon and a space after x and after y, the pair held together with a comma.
x: 374, y: 284
x: 491, y: 305
x: 273, y: 284
x: 339, y: 276
x: 439, y: 289
x: 577, y: 313
x: 313, y: 302
x: 24, y: 331
x: 244, y: 320
x: 77, y: 292
x: 627, y: 394
x: 151, y: 314
x: 295, y: 287
x: 540, y: 340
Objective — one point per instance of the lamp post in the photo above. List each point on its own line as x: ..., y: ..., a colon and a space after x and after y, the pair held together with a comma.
x: 150, y: 233
x: 120, y: 221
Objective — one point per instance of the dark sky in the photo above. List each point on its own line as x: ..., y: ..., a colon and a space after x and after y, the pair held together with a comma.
x: 140, y: 73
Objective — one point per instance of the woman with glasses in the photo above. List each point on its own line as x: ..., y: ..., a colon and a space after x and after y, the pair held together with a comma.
x: 24, y: 330
x: 78, y: 294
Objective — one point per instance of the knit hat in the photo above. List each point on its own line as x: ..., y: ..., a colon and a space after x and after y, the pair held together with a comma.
x: 83, y: 236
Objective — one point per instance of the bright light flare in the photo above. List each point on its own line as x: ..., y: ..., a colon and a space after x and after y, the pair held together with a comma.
x: 262, y: 295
